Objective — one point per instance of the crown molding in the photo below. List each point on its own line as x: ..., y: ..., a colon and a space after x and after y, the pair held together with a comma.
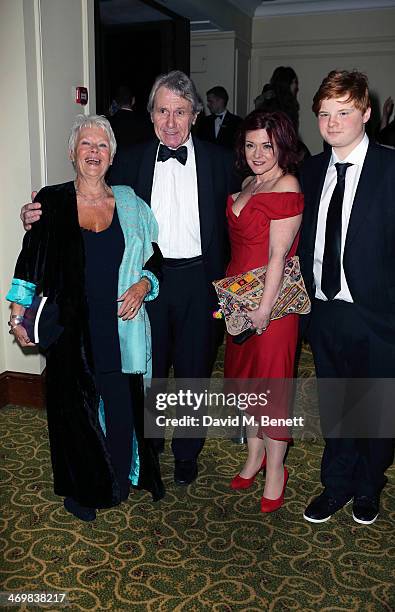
x: 301, y: 7
x: 205, y: 35
x: 324, y: 42
x: 212, y: 35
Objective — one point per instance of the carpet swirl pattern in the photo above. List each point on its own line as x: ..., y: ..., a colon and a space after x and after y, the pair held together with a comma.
x: 201, y: 548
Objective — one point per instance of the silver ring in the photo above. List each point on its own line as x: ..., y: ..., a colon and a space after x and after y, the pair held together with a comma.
x: 259, y: 331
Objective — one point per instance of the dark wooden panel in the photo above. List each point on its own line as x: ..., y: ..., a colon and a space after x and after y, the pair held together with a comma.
x: 3, y: 390
x: 22, y: 389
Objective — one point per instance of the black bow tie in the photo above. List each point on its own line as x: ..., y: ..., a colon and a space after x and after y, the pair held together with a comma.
x: 179, y: 154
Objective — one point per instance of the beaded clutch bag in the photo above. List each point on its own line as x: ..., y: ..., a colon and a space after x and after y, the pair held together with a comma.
x: 237, y: 295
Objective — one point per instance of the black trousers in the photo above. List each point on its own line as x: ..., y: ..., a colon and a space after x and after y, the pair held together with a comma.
x: 183, y: 333
x: 115, y: 389
x: 345, y: 345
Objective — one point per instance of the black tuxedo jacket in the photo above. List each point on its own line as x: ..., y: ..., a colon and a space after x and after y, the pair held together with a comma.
x: 227, y: 133
x: 134, y: 166
x: 131, y: 127
x: 369, y: 253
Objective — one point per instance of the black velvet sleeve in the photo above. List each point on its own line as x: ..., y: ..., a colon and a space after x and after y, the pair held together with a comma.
x: 155, y: 262
x: 31, y: 260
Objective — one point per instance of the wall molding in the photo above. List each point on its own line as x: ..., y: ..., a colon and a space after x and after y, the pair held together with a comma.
x: 204, y: 36
x: 303, y: 7
x: 22, y: 389
x: 322, y: 42
x: 322, y: 54
x: 40, y: 92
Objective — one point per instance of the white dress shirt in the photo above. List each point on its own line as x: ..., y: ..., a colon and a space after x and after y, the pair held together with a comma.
x: 174, y: 202
x: 356, y: 158
x: 218, y: 122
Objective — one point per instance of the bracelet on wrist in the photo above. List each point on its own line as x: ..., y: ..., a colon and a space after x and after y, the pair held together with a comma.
x: 15, y: 320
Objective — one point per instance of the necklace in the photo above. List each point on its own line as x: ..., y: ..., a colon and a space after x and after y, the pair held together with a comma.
x: 256, y: 187
x: 93, y: 201
x: 260, y: 184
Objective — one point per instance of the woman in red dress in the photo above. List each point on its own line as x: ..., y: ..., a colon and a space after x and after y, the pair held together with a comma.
x: 264, y: 221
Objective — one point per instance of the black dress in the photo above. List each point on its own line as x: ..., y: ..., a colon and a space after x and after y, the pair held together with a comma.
x: 103, y: 256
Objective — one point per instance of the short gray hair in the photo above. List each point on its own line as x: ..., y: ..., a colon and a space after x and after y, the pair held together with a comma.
x: 88, y: 121
x: 180, y: 84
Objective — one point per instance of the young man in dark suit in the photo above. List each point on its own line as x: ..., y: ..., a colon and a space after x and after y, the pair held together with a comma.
x: 221, y: 125
x: 347, y: 255
x: 186, y: 183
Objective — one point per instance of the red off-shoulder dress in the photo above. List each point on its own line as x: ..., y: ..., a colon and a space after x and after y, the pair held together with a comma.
x: 272, y: 354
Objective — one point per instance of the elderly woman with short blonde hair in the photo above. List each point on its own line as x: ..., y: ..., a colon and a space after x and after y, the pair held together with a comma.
x: 93, y: 253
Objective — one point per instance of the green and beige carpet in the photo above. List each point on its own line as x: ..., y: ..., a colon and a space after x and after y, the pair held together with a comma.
x: 201, y: 548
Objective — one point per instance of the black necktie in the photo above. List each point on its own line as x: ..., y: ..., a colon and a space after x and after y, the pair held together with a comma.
x: 330, y: 279
x: 179, y: 154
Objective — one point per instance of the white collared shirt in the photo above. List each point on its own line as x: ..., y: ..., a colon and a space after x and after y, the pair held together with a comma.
x: 174, y: 202
x: 356, y: 158
x: 218, y: 122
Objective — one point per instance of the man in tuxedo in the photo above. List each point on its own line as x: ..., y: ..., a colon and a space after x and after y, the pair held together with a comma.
x: 347, y: 255
x: 221, y: 125
x: 186, y: 183
x: 129, y: 125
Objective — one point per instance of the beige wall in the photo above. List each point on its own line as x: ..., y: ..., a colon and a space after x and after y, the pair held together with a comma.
x: 220, y: 58
x: 15, y: 164
x: 242, y: 76
x: 315, y: 44
x: 213, y: 63
x: 44, y: 46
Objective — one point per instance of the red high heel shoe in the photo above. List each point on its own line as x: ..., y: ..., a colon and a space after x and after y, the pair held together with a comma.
x: 239, y: 482
x: 270, y: 505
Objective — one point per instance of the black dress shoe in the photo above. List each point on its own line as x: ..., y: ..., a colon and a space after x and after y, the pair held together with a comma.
x: 81, y: 512
x: 322, y: 508
x: 185, y: 471
x: 365, y: 509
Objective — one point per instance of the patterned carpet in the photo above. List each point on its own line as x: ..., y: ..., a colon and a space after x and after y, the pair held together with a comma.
x: 201, y: 548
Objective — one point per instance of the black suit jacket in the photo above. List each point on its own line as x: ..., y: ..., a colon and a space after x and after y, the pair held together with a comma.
x: 131, y: 127
x: 134, y: 166
x: 369, y: 253
x: 227, y: 133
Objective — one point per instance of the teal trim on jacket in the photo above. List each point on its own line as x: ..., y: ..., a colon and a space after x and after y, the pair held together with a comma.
x: 140, y: 229
x: 22, y: 292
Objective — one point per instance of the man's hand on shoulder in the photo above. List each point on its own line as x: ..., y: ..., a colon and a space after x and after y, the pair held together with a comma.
x: 30, y: 212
